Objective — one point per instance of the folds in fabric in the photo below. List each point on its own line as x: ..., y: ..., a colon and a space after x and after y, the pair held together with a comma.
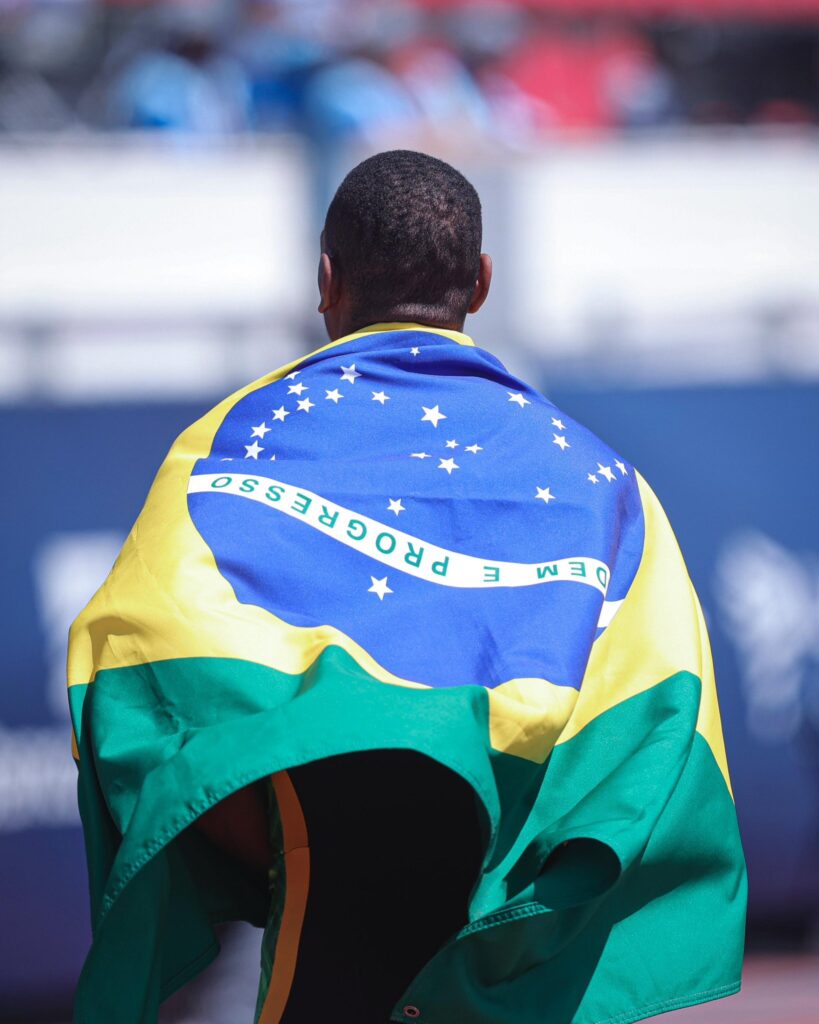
x: 396, y: 544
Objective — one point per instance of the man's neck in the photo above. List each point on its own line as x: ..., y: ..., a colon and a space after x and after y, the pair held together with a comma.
x: 354, y: 323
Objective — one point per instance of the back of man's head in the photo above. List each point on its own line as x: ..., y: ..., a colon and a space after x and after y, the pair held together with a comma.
x: 404, y: 234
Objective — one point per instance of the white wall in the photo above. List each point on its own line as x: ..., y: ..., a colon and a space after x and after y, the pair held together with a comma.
x: 129, y: 268
x: 656, y: 241
x: 123, y: 229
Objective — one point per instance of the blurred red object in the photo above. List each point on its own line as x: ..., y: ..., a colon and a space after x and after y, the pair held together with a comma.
x: 579, y: 77
x: 744, y: 9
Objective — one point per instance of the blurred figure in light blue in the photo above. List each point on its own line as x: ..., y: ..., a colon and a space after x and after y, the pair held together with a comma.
x: 183, y: 80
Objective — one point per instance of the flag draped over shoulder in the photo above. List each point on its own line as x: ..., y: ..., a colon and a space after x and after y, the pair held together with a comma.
x: 394, y: 543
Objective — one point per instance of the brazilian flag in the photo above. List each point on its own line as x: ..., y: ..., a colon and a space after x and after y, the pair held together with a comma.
x: 395, y: 543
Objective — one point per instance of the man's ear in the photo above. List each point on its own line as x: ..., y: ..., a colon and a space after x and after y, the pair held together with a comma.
x: 482, y: 284
x: 328, y: 284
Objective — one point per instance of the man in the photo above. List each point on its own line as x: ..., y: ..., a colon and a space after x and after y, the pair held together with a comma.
x: 398, y: 632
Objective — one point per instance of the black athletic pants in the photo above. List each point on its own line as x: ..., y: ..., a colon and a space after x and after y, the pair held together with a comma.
x: 395, y: 849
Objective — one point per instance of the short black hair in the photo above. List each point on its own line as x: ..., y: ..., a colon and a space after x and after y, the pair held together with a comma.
x: 404, y: 233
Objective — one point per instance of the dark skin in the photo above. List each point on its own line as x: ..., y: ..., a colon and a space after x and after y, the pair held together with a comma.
x: 238, y: 824
x: 342, y: 318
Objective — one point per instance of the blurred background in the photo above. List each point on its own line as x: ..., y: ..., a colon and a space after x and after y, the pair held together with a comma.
x: 649, y: 171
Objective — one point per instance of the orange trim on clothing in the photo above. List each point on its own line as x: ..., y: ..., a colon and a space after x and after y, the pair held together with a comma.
x: 297, y: 884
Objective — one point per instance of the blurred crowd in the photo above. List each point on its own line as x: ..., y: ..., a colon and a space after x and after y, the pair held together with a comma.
x: 339, y: 70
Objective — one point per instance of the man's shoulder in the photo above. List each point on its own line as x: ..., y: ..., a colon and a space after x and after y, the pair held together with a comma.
x: 196, y: 439
x: 578, y: 456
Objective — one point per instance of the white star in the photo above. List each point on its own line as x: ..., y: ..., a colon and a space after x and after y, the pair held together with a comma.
x: 280, y: 413
x: 448, y: 465
x: 451, y: 444
x: 380, y: 396
x: 349, y: 373
x: 432, y: 415
x: 558, y: 423
x: 296, y: 389
x: 260, y: 431
x: 592, y: 478
x: 305, y: 405
x: 605, y: 471
x: 516, y: 396
x: 379, y: 587
x: 545, y: 494
x: 420, y: 455
x: 621, y: 466
x: 474, y: 448
x: 396, y: 506
x: 253, y: 450
x: 415, y: 351
x: 333, y: 395
x: 272, y: 458
x: 561, y: 442
x: 293, y: 375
